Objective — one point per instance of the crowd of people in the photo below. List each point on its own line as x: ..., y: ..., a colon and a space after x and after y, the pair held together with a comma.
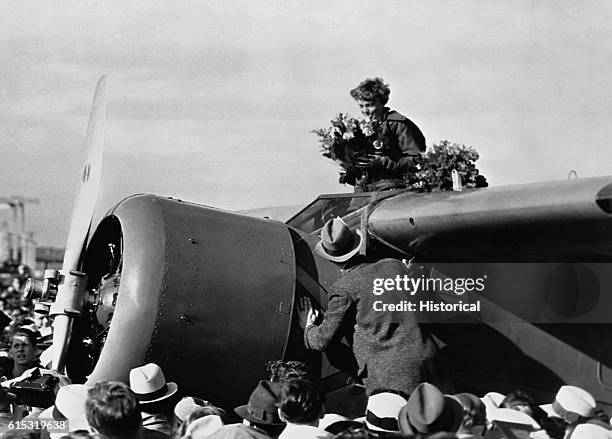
x: 26, y: 327
x: 290, y: 405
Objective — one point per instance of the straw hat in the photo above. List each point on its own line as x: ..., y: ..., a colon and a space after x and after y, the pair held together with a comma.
x: 571, y: 403
x: 149, y: 384
x: 383, y: 410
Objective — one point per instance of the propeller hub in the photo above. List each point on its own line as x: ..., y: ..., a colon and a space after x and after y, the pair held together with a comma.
x: 43, y: 290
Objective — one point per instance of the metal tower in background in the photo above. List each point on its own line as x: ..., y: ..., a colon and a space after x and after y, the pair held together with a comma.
x: 17, y: 236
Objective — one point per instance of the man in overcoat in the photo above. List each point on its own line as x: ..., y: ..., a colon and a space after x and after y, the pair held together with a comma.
x: 392, y: 349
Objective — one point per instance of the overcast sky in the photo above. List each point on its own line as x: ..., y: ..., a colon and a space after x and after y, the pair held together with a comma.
x: 214, y: 101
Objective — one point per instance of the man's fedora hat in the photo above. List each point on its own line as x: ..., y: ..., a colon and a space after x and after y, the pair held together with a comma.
x: 261, y: 408
x: 189, y: 404
x: 590, y: 431
x: 511, y: 415
x: 70, y: 401
x: 492, y: 400
x: 429, y: 411
x: 69, y: 405
x: 149, y: 384
x: 593, y: 429
x: 338, y: 242
x: 571, y: 403
x: 204, y: 426
x: 383, y: 410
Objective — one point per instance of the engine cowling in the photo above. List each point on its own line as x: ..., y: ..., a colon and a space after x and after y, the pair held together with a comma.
x: 205, y: 293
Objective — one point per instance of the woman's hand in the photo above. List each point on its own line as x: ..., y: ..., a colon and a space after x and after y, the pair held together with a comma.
x: 374, y: 161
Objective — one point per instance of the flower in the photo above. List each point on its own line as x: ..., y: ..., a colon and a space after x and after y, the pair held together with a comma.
x: 433, y: 171
x: 348, y: 139
x: 367, y: 127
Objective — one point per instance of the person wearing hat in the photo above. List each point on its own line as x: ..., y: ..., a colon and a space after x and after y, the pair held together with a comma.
x: 260, y: 415
x: 392, y: 350
x: 334, y: 423
x: 573, y: 404
x: 44, y: 325
x: 189, y: 409
x: 383, y: 410
x: 154, y: 394
x: 203, y: 427
x: 474, y: 416
x: 429, y: 411
x: 19, y: 316
x: 592, y: 429
x: 69, y: 407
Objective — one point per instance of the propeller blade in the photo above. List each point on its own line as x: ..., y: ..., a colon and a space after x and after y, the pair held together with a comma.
x: 69, y: 299
x: 91, y: 175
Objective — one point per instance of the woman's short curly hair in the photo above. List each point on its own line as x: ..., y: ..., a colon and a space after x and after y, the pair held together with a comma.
x: 371, y: 89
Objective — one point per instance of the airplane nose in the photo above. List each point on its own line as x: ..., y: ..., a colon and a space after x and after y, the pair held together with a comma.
x: 604, y: 198
x: 189, y: 282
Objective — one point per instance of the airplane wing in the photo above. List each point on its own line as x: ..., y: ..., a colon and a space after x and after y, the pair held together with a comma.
x: 278, y: 213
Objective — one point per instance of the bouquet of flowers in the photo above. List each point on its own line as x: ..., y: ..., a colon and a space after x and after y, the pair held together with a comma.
x: 348, y: 140
x: 435, y: 167
x: 351, y: 141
